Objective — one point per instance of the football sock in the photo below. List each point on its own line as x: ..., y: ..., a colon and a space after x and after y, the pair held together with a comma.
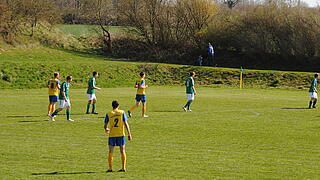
x: 110, y: 159
x: 314, y: 103
x: 68, y: 114
x: 53, y: 108
x: 55, y: 113
x: 144, y: 108
x: 88, y: 108
x: 186, y: 104
x: 124, y: 160
x: 310, y: 104
x: 49, y: 109
x: 93, y: 107
x: 189, y: 104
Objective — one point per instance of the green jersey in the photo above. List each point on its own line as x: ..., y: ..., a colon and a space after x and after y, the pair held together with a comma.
x: 64, y: 88
x: 91, y: 84
x: 189, y: 85
x: 313, y: 86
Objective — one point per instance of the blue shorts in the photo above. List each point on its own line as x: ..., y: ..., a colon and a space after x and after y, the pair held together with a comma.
x: 53, y: 98
x: 117, y: 141
x: 141, y: 98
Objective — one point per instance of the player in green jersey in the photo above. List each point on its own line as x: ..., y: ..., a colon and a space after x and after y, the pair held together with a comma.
x: 64, y: 101
x: 313, y: 92
x: 92, y: 99
x: 190, y: 91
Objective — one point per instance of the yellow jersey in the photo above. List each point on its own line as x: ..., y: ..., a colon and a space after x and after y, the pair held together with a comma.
x: 115, y: 119
x: 141, y: 82
x: 53, y: 87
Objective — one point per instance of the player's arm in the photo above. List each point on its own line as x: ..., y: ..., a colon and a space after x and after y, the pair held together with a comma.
x: 128, y: 130
x: 95, y: 87
x: 64, y: 94
x: 125, y: 120
x: 106, y: 121
x: 142, y: 85
x: 194, y: 89
x: 58, y: 84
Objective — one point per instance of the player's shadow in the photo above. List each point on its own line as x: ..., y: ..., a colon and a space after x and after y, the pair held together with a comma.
x: 167, y: 111
x: 293, y: 108
x: 22, y: 116
x: 32, y: 121
x: 65, y: 173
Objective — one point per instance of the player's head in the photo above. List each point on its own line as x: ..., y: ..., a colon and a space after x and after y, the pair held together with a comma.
x: 192, y: 74
x: 142, y: 74
x: 316, y: 75
x: 56, y: 75
x: 69, y: 78
x: 115, y: 104
x: 95, y: 74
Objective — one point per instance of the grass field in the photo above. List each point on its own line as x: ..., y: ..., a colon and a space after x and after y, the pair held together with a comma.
x: 79, y: 30
x: 231, y: 134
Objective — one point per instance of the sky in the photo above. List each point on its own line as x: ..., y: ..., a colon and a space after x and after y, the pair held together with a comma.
x: 312, y: 3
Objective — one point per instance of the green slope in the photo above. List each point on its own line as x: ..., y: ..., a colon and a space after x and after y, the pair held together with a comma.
x: 30, y: 68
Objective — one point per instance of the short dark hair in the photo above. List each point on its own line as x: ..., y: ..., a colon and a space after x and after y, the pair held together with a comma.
x: 94, y: 73
x: 142, y: 74
x: 316, y: 75
x: 55, y: 74
x: 69, y: 77
x: 115, y: 104
x: 192, y: 73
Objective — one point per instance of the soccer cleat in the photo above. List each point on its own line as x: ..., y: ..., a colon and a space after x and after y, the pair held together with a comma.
x: 94, y: 113
x: 109, y: 170
x: 129, y: 113
x: 145, y: 116
x: 70, y: 120
x: 189, y: 110
x: 88, y: 113
x: 52, y: 118
x: 314, y: 107
x: 122, y: 170
x: 184, y: 108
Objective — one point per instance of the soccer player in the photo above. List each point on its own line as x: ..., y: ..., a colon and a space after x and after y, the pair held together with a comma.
x: 190, y: 90
x: 141, y: 95
x: 91, y: 95
x: 64, y: 101
x: 114, y: 124
x: 54, y: 86
x: 313, y: 92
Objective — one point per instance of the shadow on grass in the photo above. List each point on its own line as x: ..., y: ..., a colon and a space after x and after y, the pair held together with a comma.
x: 168, y: 111
x: 32, y: 121
x: 65, y: 173
x: 21, y: 116
x: 294, y: 108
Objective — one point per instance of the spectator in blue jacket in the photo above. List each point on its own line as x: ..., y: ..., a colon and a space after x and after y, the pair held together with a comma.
x: 210, y: 55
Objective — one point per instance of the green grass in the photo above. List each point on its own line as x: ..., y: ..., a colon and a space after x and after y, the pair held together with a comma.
x: 230, y: 134
x: 86, y: 30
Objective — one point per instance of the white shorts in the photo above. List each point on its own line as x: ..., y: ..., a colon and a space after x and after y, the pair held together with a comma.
x: 190, y: 97
x: 91, y: 97
x: 63, y: 103
x: 314, y: 95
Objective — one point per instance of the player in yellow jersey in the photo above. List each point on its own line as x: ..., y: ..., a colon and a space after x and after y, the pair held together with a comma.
x: 141, y: 95
x: 114, y: 125
x: 54, y: 86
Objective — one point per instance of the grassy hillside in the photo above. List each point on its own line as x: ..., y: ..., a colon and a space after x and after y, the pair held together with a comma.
x: 30, y: 68
x: 79, y: 30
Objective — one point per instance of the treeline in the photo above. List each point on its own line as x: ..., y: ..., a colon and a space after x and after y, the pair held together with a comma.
x: 22, y: 16
x: 271, y: 35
